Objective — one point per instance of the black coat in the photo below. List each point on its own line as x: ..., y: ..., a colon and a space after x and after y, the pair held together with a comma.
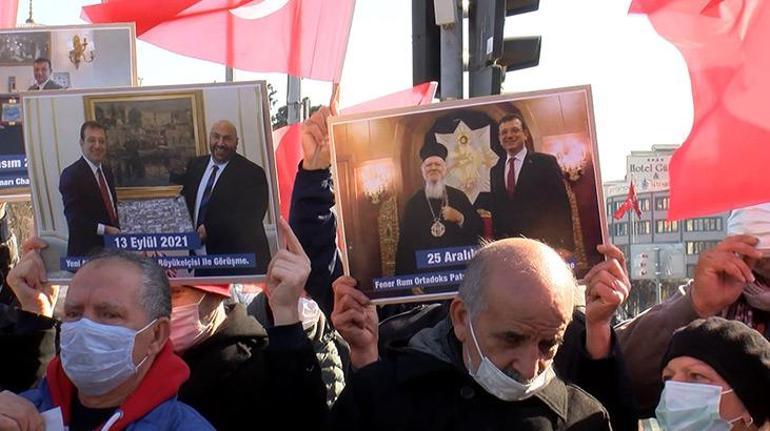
x: 83, y: 206
x: 416, y: 391
x: 415, y: 234
x: 235, y: 213
x: 539, y: 208
x: 27, y: 341
x: 237, y: 382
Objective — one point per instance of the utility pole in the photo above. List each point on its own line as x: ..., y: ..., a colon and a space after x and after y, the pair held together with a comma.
x: 293, y: 100
x: 449, y: 16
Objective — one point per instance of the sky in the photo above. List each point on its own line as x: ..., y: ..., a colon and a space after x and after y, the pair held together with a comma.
x: 641, y: 90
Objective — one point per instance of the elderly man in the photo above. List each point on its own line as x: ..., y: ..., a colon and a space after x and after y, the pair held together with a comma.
x: 87, y: 188
x: 42, y: 70
x: 266, y: 372
x: 227, y: 197
x: 436, y: 216
x: 115, y: 368
x: 489, y: 364
x: 528, y: 194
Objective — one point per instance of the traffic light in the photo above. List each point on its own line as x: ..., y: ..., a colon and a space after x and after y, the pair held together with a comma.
x: 426, y: 44
x: 491, y: 55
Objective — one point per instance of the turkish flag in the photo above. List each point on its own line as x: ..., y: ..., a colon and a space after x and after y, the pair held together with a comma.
x: 725, y: 161
x: 9, y: 9
x: 288, y: 151
x: 304, y: 38
x: 631, y: 202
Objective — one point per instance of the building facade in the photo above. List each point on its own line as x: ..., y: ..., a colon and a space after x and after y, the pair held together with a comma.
x: 649, y: 172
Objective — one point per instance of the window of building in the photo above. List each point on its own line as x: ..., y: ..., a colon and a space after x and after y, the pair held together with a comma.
x: 704, y: 224
x: 642, y: 227
x: 697, y: 247
x: 661, y: 204
x: 619, y: 229
x: 664, y: 226
x: 644, y: 204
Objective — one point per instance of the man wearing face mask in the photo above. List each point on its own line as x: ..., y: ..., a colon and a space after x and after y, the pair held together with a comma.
x: 115, y: 369
x: 235, y: 365
x: 731, y: 280
x: 489, y: 364
x: 717, y: 377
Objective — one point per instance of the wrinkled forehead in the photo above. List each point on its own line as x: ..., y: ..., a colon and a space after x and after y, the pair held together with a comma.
x: 433, y: 160
x: 224, y: 128
x: 529, y: 300
x: 106, y: 281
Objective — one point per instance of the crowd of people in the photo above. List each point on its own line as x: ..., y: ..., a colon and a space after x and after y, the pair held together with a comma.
x: 519, y: 347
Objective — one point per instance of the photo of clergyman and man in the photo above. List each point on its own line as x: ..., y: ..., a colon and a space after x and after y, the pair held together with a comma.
x: 437, y: 183
x: 200, y: 220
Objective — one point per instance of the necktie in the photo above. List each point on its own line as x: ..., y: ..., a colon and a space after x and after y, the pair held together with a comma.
x: 106, y: 198
x: 206, y: 196
x: 510, y: 183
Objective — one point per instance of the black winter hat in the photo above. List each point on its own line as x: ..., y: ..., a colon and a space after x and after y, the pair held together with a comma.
x: 432, y: 148
x: 739, y: 354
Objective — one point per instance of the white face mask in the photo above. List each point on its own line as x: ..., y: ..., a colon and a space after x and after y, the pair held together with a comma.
x: 691, y: 407
x: 186, y: 327
x: 98, y: 358
x: 499, y: 384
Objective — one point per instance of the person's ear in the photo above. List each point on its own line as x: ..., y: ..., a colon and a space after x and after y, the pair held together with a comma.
x: 160, y: 334
x: 460, y: 316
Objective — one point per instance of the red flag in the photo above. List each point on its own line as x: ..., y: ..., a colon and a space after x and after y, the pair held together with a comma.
x: 304, y: 38
x: 631, y: 202
x: 288, y: 152
x: 725, y: 161
x: 8, y: 11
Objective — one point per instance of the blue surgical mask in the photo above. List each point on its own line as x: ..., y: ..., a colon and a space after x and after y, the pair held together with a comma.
x: 691, y: 407
x: 499, y: 384
x: 97, y: 358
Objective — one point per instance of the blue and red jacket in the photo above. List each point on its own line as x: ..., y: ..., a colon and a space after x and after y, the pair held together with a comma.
x: 152, y: 406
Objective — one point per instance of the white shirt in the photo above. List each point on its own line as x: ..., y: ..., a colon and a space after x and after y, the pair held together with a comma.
x: 518, y: 162
x: 94, y: 167
x: 202, y: 187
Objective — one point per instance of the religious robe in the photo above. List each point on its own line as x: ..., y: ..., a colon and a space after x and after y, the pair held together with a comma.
x: 415, y: 229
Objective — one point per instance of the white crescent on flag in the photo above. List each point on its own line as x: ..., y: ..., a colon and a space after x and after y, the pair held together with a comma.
x: 258, y: 9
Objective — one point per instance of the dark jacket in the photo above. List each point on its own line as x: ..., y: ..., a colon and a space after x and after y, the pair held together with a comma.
x: 312, y: 220
x: 236, y: 377
x: 605, y: 379
x: 50, y: 85
x: 331, y: 350
x: 539, y: 208
x: 235, y: 212
x: 31, y: 339
x: 644, y: 340
x: 83, y: 206
x: 417, y: 390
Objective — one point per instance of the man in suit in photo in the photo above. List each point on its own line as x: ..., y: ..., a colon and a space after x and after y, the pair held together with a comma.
x: 227, y: 197
x: 87, y: 188
x: 529, y: 197
x: 42, y: 70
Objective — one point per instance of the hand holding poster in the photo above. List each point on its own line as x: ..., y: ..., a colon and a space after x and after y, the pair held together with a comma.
x: 182, y: 174
x: 436, y: 181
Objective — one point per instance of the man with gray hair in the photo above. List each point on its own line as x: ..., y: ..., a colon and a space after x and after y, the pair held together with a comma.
x: 115, y: 369
x: 489, y: 364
